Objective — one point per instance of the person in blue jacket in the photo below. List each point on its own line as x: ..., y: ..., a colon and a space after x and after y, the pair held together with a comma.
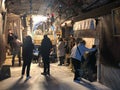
x: 76, y: 55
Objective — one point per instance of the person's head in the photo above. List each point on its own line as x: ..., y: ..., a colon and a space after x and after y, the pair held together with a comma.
x: 45, y: 36
x: 15, y: 36
x: 65, y: 24
x: 83, y: 42
x: 73, y: 39
x: 60, y: 39
x: 28, y: 39
x: 93, y: 46
x: 78, y: 40
x: 10, y: 31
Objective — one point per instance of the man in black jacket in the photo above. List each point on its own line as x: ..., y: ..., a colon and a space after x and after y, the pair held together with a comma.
x: 46, y: 46
x: 10, y: 40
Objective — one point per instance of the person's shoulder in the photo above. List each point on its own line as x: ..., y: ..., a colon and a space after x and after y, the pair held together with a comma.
x: 48, y: 39
x: 33, y: 44
x: 18, y: 40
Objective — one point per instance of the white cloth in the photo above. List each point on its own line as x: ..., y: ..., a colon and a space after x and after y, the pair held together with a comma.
x: 60, y: 49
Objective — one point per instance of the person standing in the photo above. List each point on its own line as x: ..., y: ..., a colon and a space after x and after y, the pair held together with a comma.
x: 92, y: 60
x: 16, y: 44
x: 46, y: 46
x: 27, y: 54
x: 61, y: 51
x: 10, y: 40
x: 67, y: 53
x: 76, y: 54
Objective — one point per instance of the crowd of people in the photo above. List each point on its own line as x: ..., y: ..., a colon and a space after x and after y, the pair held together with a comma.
x: 70, y: 52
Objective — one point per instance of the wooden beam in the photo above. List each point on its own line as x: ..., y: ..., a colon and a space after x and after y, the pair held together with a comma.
x: 106, y: 9
x: 86, y: 33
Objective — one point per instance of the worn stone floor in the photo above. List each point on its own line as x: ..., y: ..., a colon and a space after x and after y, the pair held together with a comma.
x: 61, y: 79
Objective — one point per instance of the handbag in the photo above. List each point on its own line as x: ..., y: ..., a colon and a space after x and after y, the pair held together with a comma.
x: 82, y: 57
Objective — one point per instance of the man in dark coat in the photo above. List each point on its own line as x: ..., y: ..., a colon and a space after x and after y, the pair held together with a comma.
x: 27, y: 54
x: 10, y: 40
x: 46, y: 46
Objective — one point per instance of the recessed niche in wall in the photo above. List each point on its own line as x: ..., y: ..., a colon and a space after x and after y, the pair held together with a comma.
x: 116, y: 21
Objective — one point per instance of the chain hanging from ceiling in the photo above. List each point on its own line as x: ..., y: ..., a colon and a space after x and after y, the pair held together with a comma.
x: 30, y: 1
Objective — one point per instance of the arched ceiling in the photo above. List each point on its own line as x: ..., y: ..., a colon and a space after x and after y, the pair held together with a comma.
x: 65, y: 8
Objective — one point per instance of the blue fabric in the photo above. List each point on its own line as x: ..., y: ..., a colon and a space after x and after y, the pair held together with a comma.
x: 75, y: 53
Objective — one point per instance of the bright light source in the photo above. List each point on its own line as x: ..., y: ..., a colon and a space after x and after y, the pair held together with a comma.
x: 39, y: 18
x: 3, y: 0
x: 3, y: 5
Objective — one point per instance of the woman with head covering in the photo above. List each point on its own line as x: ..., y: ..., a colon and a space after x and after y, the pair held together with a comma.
x: 27, y: 54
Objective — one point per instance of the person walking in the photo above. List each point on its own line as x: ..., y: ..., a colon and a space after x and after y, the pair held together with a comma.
x: 46, y: 46
x: 76, y: 55
x: 27, y: 54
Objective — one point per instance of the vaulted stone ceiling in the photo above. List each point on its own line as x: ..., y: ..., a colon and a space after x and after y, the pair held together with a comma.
x: 65, y: 8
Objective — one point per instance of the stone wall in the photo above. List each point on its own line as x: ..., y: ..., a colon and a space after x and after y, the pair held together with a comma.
x: 110, y: 77
x: 109, y: 54
x: 2, y: 42
x: 85, y: 33
x: 110, y: 50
